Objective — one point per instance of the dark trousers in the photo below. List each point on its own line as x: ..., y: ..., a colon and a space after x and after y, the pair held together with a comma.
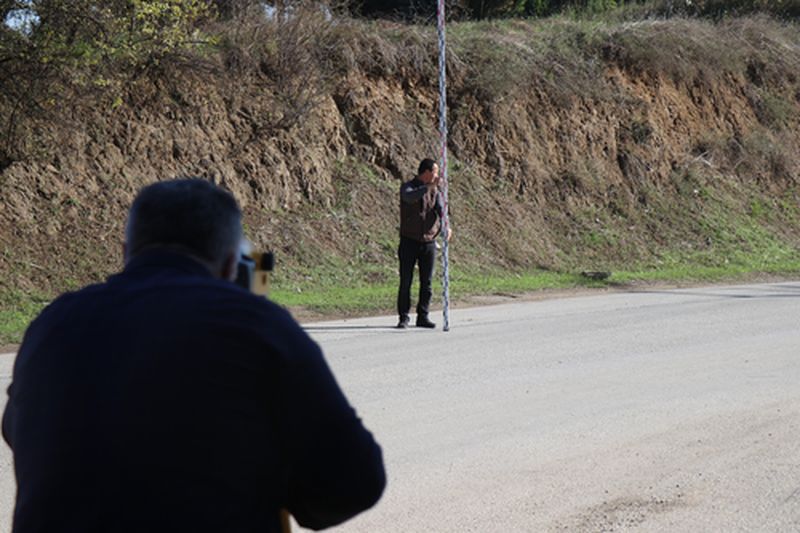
x: 411, y: 252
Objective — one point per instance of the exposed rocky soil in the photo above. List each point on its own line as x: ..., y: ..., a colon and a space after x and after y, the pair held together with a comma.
x: 642, y: 156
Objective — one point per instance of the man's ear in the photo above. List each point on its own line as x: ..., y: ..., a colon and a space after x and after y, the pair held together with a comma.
x: 230, y: 267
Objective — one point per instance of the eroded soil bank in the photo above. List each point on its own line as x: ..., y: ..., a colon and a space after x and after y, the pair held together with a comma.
x: 573, y: 145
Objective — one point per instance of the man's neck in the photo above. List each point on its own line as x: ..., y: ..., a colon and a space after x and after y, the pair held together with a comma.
x: 176, y: 249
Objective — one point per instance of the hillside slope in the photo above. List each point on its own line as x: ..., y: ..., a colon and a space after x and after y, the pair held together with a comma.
x: 574, y: 145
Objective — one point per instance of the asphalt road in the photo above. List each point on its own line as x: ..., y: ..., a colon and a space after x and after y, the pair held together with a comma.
x: 643, y: 411
x: 8, y: 487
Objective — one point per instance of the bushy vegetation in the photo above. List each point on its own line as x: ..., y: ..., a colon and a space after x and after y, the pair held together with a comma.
x: 53, y: 54
x: 483, y: 9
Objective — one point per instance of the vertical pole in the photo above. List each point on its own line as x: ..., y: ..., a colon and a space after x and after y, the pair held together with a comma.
x: 443, y: 164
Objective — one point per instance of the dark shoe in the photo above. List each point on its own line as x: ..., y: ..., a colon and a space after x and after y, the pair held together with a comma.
x: 403, y: 324
x: 423, y: 322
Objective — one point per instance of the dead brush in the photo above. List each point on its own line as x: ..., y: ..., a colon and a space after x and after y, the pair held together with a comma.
x: 386, y: 48
x: 290, y: 53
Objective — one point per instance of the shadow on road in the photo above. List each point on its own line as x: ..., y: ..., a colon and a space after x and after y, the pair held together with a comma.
x: 345, y: 328
x: 775, y: 291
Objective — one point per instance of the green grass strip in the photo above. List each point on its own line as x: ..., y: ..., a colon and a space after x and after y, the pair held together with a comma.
x: 18, y: 309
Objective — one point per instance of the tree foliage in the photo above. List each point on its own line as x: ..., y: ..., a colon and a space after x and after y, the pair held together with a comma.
x: 721, y: 8
x: 85, y: 30
x: 479, y: 9
x: 51, y: 50
x: 482, y: 9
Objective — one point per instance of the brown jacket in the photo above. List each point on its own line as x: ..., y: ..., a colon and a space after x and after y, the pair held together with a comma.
x: 420, y: 211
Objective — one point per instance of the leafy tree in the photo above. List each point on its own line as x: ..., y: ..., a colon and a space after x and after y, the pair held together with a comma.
x: 479, y: 9
x: 72, y: 46
x: 721, y: 8
x: 87, y: 30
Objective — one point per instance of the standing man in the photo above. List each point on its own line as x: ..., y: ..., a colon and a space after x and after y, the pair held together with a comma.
x: 170, y: 399
x: 421, y: 211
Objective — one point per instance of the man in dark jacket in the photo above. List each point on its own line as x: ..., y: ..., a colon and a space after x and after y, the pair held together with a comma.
x: 420, y: 222
x: 170, y: 399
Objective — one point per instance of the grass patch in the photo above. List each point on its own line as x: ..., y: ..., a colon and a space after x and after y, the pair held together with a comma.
x: 380, y: 297
x: 17, y: 309
x: 318, y: 294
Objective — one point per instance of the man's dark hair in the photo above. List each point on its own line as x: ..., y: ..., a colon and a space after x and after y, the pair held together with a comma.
x: 425, y: 165
x: 190, y: 214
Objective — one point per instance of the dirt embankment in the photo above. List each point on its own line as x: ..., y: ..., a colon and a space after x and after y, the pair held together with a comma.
x: 578, y: 147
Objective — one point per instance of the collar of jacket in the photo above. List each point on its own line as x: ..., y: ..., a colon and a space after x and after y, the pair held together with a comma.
x: 165, y: 258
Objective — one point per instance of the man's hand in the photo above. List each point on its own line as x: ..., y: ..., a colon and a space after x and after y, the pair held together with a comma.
x: 449, y: 233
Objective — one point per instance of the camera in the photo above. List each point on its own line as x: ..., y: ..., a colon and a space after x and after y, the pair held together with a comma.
x: 253, y: 271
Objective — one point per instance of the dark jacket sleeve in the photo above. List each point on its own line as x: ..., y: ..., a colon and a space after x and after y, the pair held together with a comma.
x: 412, y: 191
x: 8, y: 416
x: 336, y: 467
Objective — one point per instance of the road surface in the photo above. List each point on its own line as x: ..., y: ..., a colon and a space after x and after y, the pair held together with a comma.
x: 655, y: 410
